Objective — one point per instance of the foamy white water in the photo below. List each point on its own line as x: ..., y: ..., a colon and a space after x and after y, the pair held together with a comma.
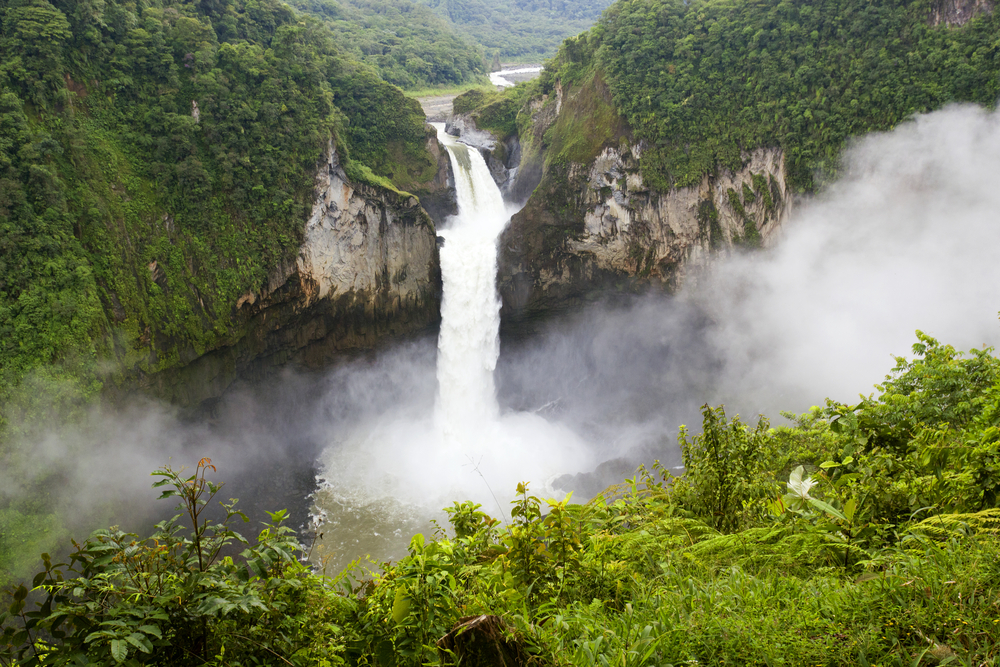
x: 469, y: 344
x: 389, y: 474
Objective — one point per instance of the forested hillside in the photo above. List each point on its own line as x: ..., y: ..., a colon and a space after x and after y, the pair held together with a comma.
x: 700, y: 82
x: 406, y: 42
x: 156, y: 163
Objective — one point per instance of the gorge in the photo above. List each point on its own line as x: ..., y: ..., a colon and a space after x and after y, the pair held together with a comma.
x: 226, y: 238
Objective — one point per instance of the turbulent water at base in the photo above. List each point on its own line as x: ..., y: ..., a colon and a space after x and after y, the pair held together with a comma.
x: 392, y: 471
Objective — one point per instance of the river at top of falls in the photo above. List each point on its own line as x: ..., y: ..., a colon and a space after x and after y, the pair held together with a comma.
x: 505, y: 77
x: 392, y: 469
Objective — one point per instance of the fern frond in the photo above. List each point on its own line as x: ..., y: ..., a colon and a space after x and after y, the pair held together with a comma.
x: 947, y: 526
x: 776, y: 548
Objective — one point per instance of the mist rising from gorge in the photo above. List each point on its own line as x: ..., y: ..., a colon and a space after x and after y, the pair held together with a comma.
x: 906, y: 239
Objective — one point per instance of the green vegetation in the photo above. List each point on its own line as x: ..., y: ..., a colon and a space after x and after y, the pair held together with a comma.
x: 525, y: 31
x: 156, y: 163
x: 178, y: 597
x: 859, y: 535
x: 703, y: 81
x: 409, y: 45
x: 493, y: 110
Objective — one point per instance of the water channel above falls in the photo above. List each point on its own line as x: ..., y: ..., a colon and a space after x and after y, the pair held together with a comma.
x: 388, y: 470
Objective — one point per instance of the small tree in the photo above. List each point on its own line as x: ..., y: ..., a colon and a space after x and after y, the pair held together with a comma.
x: 723, y: 479
x: 176, y: 598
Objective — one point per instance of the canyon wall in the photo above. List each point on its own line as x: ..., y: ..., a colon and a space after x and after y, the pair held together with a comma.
x: 591, y: 225
x: 367, y: 270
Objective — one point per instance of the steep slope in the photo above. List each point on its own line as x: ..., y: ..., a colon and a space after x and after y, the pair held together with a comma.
x: 675, y: 130
x: 158, y: 167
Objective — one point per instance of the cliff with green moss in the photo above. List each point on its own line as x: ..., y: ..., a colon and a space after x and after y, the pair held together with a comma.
x: 672, y: 131
x: 164, y: 169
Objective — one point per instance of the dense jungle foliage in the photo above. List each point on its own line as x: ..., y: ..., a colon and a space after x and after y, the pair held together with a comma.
x: 701, y: 82
x: 858, y: 535
x: 409, y: 45
x: 157, y: 162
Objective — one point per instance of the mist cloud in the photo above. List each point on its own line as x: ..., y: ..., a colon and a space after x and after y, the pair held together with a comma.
x: 906, y: 239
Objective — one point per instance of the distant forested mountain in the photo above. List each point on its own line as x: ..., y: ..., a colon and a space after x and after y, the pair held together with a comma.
x: 523, y: 30
x: 405, y: 41
x: 415, y: 43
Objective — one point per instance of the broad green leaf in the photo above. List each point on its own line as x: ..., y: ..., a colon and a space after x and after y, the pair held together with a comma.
x: 213, y: 605
x: 401, y: 604
x: 119, y: 650
x: 151, y: 630
x: 849, y: 508
x: 826, y: 507
x: 140, y: 642
x: 258, y: 569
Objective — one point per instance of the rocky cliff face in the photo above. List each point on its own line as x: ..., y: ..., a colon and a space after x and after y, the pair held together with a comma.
x: 958, y: 12
x: 438, y: 198
x: 368, y: 269
x: 613, y: 232
x: 503, y: 158
x: 592, y: 225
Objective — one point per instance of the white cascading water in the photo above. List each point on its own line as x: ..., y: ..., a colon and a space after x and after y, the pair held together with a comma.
x: 392, y: 472
x: 469, y: 343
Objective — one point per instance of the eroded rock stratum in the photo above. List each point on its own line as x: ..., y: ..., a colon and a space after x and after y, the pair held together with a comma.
x: 591, y: 225
x: 367, y: 270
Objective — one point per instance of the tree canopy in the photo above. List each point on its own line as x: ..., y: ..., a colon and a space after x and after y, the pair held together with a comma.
x: 156, y: 162
x: 701, y: 82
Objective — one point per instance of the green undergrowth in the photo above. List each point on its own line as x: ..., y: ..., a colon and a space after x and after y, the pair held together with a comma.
x: 866, y: 534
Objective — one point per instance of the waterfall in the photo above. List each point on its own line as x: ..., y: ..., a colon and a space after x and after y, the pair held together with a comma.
x: 469, y: 343
x: 397, y: 460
